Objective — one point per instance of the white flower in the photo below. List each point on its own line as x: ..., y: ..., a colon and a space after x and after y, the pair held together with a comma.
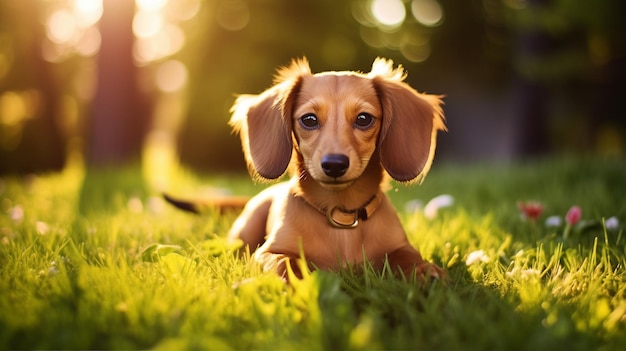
x: 612, y: 223
x: 42, y: 228
x: 135, y: 205
x: 553, y: 221
x: 476, y: 257
x: 16, y: 213
x: 156, y: 204
x: 433, y: 206
x: 413, y: 206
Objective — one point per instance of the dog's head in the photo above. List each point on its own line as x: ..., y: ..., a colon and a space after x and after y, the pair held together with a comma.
x: 336, y: 122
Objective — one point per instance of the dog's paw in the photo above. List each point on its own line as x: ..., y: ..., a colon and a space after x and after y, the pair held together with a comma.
x: 429, y: 271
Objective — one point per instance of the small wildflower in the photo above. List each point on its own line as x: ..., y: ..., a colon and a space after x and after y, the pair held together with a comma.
x: 553, y: 221
x: 42, y: 228
x: 571, y: 218
x: 53, y: 270
x: 531, y: 209
x: 612, y: 223
x: 476, y: 257
x: 436, y: 203
x: 135, y: 205
x: 156, y: 205
x: 413, y: 206
x: 16, y: 213
x: 573, y: 215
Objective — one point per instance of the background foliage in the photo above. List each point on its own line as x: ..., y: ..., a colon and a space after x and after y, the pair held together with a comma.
x: 522, y: 77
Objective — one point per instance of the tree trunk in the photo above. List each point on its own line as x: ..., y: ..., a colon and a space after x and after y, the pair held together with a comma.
x: 118, y: 121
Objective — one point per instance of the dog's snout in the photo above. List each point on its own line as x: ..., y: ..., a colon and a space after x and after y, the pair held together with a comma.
x: 335, y: 165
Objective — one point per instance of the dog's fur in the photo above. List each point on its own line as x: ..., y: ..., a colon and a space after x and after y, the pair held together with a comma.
x: 338, y: 165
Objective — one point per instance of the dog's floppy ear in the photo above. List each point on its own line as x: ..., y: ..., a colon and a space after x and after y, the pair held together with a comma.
x: 264, y: 122
x: 410, y: 123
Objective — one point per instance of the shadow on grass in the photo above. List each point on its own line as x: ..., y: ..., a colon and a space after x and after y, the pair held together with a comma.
x: 372, y: 312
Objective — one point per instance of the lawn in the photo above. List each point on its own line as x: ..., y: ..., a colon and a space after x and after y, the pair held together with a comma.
x: 96, y: 260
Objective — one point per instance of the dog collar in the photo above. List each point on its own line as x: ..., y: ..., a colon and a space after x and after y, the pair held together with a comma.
x: 342, y: 218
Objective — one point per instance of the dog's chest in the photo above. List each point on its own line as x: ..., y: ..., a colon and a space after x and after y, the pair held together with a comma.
x: 331, y: 248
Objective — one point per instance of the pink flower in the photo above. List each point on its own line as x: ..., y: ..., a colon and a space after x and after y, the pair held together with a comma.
x: 573, y: 215
x: 531, y: 210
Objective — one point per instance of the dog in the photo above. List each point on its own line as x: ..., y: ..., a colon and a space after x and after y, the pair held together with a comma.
x: 340, y: 136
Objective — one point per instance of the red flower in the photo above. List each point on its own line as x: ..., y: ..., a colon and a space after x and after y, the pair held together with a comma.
x: 531, y: 210
x: 573, y: 215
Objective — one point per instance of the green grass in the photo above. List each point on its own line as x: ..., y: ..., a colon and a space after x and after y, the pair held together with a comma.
x: 96, y: 261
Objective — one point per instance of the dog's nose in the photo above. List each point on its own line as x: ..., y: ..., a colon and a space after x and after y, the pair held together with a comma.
x: 335, y: 165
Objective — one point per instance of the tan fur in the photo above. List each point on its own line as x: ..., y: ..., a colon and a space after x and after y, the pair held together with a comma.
x: 285, y: 219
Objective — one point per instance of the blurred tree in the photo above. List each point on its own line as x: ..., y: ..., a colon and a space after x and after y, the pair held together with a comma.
x: 571, y: 61
x: 29, y: 96
x: 532, y: 44
x: 119, y: 117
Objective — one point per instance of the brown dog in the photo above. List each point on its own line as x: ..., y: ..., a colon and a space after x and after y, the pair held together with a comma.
x: 340, y: 133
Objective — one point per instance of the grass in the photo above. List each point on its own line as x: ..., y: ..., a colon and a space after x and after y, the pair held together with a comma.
x: 94, y: 260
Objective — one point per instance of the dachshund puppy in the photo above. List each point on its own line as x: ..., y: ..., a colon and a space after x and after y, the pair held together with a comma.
x: 340, y: 134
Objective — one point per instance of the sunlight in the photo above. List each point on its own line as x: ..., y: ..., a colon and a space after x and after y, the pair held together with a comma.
x: 159, y: 159
x: 389, y: 12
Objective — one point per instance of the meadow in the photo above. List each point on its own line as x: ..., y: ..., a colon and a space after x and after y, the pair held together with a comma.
x: 96, y: 260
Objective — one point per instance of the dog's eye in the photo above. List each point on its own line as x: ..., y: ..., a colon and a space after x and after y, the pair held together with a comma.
x: 309, y: 121
x: 364, y: 121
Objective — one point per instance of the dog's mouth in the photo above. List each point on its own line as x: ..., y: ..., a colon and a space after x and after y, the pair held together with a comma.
x: 335, y: 184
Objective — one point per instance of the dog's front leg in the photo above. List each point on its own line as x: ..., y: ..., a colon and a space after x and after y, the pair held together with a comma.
x: 409, y: 261
x: 279, y: 263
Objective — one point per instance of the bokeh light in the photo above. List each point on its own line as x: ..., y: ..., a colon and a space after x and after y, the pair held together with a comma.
x: 171, y: 76
x: 384, y: 25
x: 427, y: 12
x: 150, y: 5
x: 233, y: 15
x: 389, y: 13
x: 87, y: 12
x: 61, y: 26
x: 89, y: 42
x: 147, y: 23
x: 156, y: 28
x: 71, y: 29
